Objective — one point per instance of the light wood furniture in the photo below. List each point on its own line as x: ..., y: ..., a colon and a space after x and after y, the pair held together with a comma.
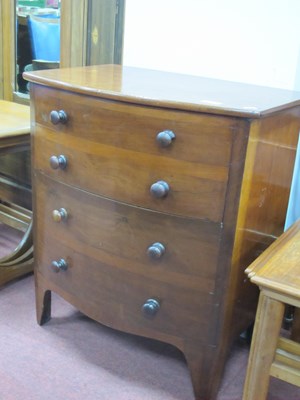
x: 15, y: 197
x: 153, y: 192
x: 277, y: 273
x: 15, y: 125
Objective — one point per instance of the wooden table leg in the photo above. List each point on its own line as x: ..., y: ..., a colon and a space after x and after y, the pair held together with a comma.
x: 15, y: 191
x: 20, y: 261
x: 267, y: 326
x: 295, y: 334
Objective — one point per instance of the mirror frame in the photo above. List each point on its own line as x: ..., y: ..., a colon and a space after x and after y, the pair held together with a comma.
x: 73, y: 42
x: 7, y: 61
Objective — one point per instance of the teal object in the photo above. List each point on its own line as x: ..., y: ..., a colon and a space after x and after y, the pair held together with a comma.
x: 45, y: 37
x: 32, y: 3
x: 293, y: 211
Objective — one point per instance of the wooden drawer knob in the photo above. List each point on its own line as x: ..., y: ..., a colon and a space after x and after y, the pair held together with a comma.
x: 165, y: 138
x: 60, y: 265
x: 156, y: 250
x: 159, y: 189
x: 58, y: 117
x: 151, y: 307
x: 58, y: 162
x: 59, y: 215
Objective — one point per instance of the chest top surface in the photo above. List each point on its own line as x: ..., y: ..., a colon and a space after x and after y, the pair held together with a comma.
x: 168, y: 90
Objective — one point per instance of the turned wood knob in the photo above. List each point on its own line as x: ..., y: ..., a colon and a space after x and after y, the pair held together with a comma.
x: 58, y: 117
x: 151, y: 307
x: 59, y: 215
x: 58, y: 162
x: 159, y: 189
x: 165, y: 138
x: 60, y: 265
x: 156, y: 250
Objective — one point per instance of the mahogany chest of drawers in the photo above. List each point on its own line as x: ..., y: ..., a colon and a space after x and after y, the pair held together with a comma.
x: 152, y: 194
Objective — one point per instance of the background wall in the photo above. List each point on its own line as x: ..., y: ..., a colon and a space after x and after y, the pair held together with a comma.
x: 255, y: 41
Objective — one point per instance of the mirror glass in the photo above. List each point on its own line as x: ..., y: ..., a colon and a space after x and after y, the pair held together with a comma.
x: 37, y: 37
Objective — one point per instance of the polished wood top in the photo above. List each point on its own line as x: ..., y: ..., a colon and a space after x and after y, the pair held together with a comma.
x: 169, y: 90
x: 278, y: 268
x: 14, y: 119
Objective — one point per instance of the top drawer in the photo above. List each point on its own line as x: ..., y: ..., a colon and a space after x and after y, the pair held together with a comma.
x: 112, y: 150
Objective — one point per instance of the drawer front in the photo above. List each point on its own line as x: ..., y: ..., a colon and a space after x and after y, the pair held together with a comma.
x: 116, y: 297
x: 111, y: 150
x: 106, y: 242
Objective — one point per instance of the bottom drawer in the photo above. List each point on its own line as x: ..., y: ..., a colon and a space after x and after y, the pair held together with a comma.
x: 116, y: 298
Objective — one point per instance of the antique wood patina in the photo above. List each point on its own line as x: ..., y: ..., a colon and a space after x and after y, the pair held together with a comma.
x: 153, y: 192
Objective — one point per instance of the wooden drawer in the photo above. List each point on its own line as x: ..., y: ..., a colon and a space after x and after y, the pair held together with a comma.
x: 120, y: 235
x: 115, y: 297
x: 200, y: 138
x: 118, y: 143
